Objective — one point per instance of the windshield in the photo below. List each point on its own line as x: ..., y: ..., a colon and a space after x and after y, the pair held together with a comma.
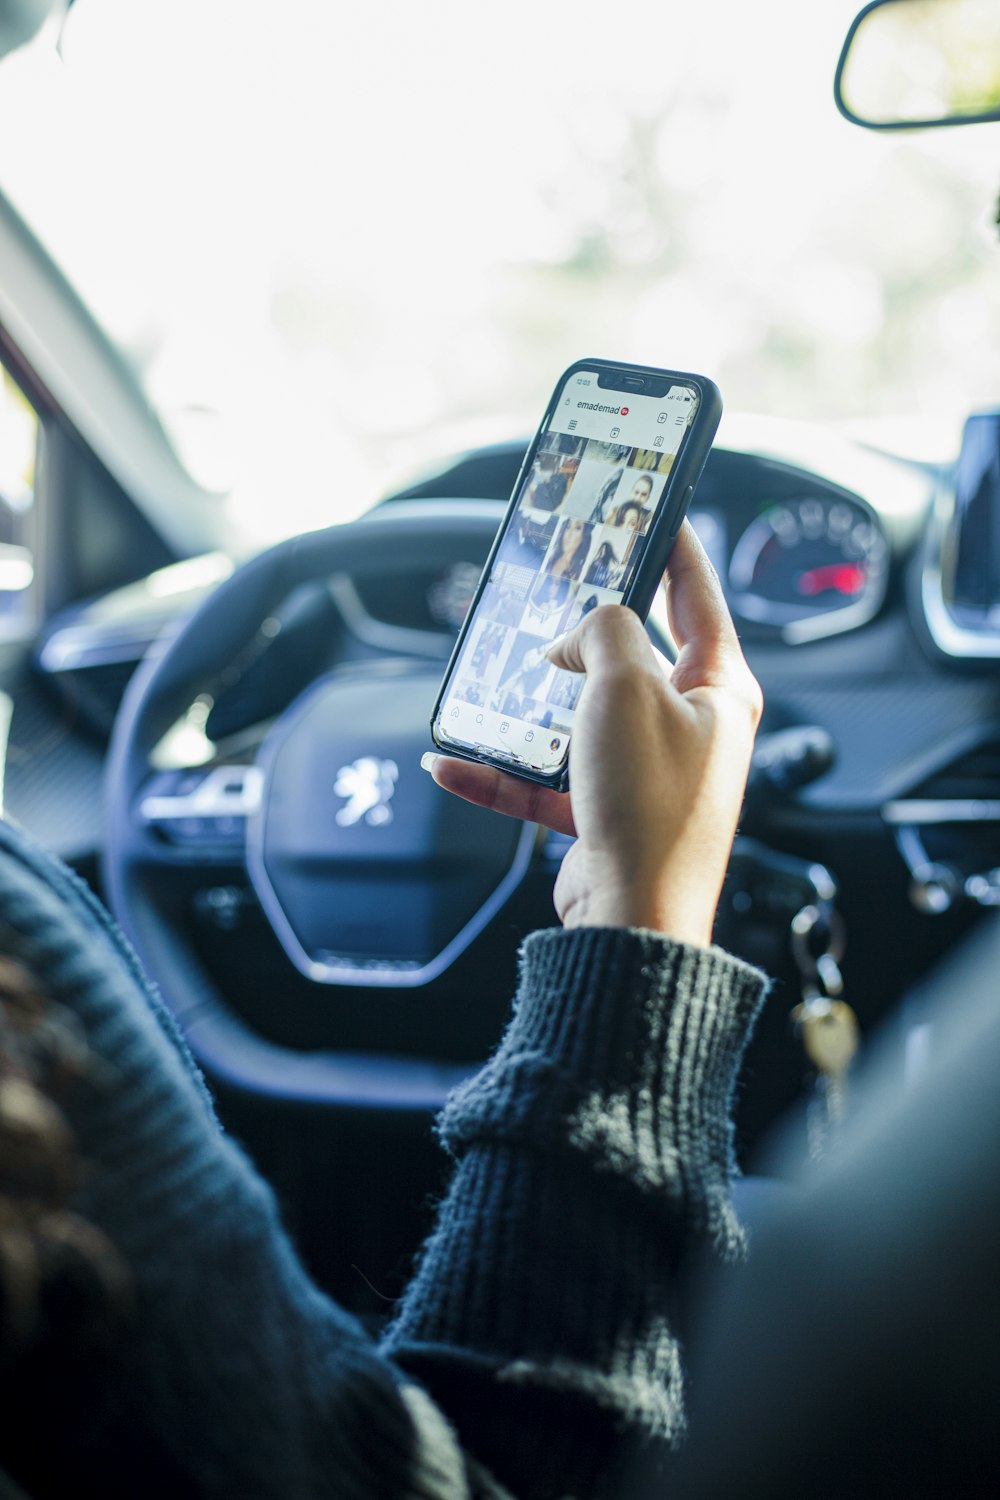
x: 338, y: 241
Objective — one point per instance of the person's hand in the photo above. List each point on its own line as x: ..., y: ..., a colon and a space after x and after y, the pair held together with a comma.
x: 659, y: 759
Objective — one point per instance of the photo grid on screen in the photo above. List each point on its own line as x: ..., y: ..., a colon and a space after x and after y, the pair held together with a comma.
x: 574, y: 543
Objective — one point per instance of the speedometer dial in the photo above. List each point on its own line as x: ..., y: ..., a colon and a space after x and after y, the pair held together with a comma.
x: 811, y: 567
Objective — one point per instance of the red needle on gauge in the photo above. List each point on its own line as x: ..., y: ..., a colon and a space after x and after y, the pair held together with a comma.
x: 843, y: 578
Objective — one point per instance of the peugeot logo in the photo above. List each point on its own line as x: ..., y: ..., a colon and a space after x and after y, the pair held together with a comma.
x: 368, y: 785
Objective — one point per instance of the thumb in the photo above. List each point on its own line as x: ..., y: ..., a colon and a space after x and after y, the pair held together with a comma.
x: 708, y: 647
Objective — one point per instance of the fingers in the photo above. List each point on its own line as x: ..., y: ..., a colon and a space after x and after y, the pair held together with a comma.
x: 699, y: 620
x: 605, y: 641
x: 488, y: 787
x: 612, y: 638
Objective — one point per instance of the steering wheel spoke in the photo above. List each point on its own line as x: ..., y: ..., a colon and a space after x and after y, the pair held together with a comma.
x: 197, y: 816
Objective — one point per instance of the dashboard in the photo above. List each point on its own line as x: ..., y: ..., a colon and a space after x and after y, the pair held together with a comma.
x: 824, y: 549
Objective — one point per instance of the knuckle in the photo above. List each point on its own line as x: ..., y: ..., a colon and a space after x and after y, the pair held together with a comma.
x: 610, y: 620
x: 612, y: 636
x: 754, y: 697
x: 743, y: 686
x: 741, y: 705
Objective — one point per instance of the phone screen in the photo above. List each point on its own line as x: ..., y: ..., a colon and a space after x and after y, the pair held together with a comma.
x: 573, y: 541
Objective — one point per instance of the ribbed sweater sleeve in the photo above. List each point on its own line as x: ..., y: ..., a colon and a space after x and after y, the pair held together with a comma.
x: 594, y: 1153
x: 234, y: 1366
x: 591, y: 1152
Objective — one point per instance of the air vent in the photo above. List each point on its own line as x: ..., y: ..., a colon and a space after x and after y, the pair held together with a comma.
x: 976, y: 774
x: 964, y: 791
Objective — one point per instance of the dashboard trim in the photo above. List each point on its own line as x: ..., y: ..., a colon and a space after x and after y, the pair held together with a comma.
x: 923, y: 811
x: 954, y: 640
x: 407, y: 639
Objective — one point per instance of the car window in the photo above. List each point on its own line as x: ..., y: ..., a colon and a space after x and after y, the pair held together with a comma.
x: 18, y: 452
x: 337, y: 241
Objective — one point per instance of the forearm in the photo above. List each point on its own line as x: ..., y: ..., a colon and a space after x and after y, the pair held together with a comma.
x: 595, y: 1152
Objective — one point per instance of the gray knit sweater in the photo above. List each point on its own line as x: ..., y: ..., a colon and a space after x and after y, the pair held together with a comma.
x: 535, y: 1344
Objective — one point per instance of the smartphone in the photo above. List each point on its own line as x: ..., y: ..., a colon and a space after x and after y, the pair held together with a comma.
x: 597, y: 504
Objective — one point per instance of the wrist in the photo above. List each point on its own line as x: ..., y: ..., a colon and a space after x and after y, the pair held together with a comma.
x: 684, y: 917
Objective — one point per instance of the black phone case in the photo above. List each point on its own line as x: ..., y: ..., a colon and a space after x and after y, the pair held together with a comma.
x: 684, y: 476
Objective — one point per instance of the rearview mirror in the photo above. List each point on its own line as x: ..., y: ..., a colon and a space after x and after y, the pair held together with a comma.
x: 916, y: 63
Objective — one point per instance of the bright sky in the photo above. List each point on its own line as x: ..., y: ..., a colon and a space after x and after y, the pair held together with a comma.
x: 346, y: 227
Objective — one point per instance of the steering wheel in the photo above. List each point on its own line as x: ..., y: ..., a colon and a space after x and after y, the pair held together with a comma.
x: 368, y: 874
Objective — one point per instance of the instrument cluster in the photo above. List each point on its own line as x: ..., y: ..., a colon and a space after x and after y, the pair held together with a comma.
x: 799, y: 559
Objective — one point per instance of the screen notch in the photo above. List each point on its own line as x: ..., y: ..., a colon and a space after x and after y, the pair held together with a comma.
x: 638, y: 385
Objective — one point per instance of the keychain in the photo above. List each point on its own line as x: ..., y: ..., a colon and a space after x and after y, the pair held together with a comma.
x: 826, y: 1024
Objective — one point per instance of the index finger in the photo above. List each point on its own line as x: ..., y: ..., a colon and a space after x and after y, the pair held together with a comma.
x: 606, y: 640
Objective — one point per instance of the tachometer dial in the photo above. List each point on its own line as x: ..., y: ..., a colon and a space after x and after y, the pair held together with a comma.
x: 811, y: 567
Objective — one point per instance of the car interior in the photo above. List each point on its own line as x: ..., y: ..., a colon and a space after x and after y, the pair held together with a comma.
x: 193, y: 724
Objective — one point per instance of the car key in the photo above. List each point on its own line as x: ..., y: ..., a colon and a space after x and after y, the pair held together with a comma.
x: 825, y: 1023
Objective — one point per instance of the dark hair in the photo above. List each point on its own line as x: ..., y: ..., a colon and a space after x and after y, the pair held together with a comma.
x: 579, y: 557
x: 547, y: 588
x: 62, y: 1282
x: 625, y: 507
x: 605, y: 558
